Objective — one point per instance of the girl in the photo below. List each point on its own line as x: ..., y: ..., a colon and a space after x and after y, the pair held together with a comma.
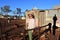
x: 31, y: 23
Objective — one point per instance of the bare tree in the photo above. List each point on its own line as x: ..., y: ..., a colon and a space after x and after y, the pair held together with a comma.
x: 18, y: 11
x: 1, y: 10
x: 15, y: 14
x: 6, y: 9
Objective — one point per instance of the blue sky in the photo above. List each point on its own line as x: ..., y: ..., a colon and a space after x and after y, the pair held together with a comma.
x: 29, y: 4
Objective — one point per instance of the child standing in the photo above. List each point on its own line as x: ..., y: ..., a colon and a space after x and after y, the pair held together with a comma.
x: 31, y: 23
